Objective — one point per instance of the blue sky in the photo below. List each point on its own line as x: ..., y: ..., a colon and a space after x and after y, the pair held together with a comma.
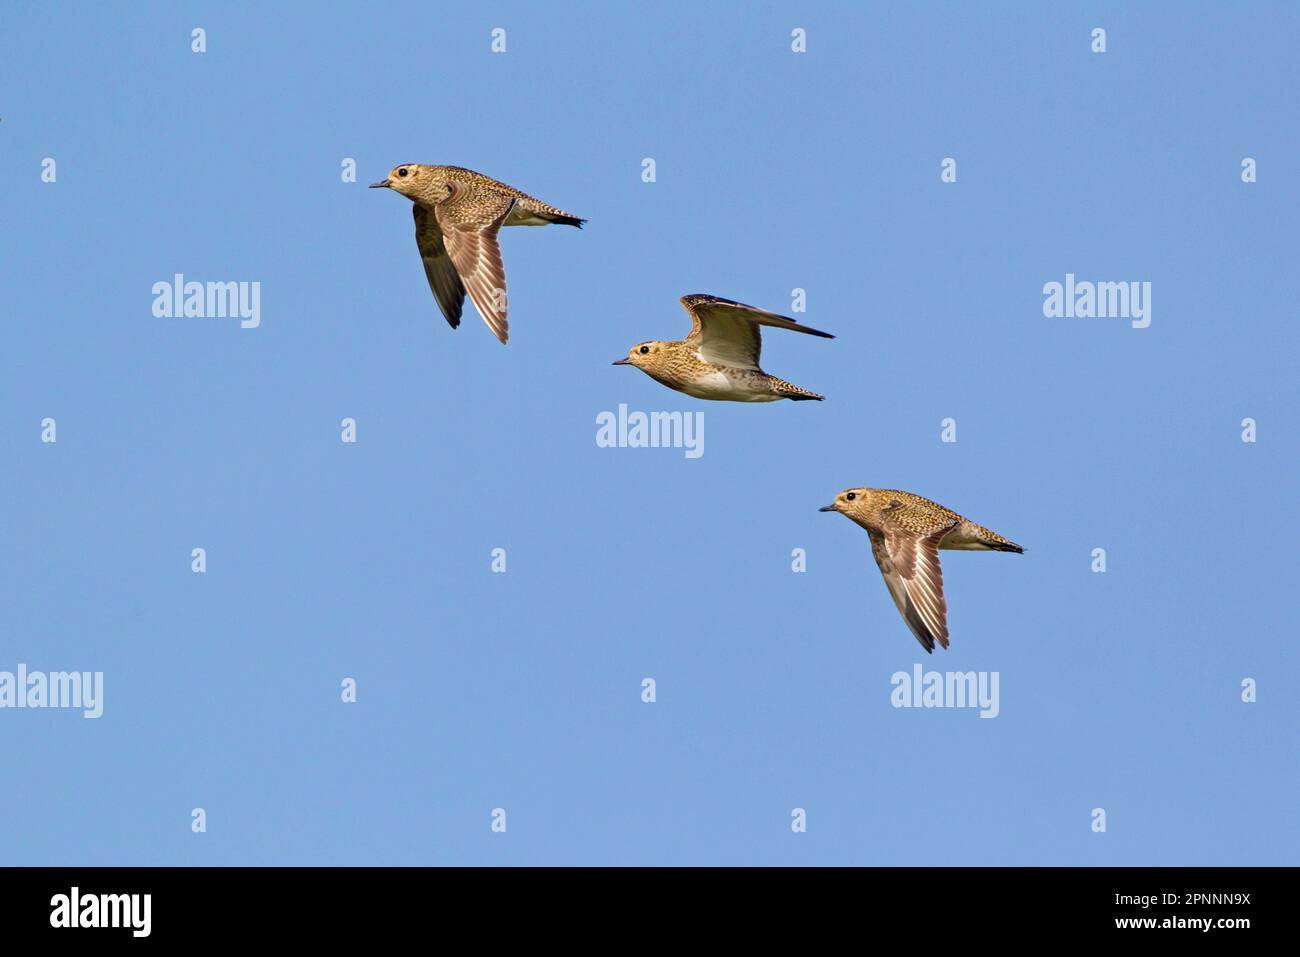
x: 522, y: 690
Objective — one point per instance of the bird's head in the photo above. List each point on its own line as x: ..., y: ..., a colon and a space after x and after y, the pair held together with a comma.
x: 409, y: 179
x: 852, y: 502
x: 645, y: 355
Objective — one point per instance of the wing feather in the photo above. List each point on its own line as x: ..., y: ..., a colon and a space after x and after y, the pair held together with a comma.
x: 470, y: 221
x: 726, y: 333
x: 909, y: 562
x: 447, y: 288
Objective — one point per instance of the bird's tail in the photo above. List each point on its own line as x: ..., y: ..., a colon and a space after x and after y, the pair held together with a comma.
x: 788, y: 390
x: 564, y: 219
x: 995, y: 542
x: 1002, y: 545
x: 533, y: 212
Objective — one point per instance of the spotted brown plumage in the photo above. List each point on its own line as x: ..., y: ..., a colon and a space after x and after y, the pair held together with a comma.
x: 719, y: 358
x: 470, y: 220
x: 458, y: 214
x: 907, y: 531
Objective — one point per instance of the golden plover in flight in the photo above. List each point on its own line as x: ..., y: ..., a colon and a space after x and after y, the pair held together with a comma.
x: 719, y: 359
x: 458, y: 213
x: 907, y: 532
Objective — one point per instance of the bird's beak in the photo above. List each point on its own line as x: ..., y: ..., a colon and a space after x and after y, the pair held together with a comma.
x: 621, y: 362
x: 828, y: 508
x: 380, y: 185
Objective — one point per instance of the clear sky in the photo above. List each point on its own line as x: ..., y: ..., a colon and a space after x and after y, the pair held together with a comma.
x: 775, y: 171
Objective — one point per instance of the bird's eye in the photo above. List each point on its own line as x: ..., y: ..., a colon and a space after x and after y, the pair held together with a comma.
x: 401, y: 172
x: 644, y: 350
x: 851, y: 496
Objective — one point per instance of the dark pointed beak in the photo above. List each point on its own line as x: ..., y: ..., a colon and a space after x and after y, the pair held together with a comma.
x: 621, y: 362
x: 828, y: 508
x: 380, y: 185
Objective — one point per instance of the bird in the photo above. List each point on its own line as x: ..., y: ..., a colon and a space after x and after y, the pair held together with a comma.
x: 458, y: 214
x: 907, y: 532
x: 719, y: 359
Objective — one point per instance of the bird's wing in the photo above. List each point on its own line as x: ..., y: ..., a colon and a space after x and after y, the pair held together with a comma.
x: 726, y: 333
x: 470, y: 219
x: 909, y: 562
x: 447, y: 288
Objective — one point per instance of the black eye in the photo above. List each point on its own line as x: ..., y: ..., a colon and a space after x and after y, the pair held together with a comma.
x: 644, y: 350
x: 401, y: 172
x: 851, y: 496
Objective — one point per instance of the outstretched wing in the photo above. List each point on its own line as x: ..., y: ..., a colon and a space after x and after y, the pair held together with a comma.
x: 909, y: 562
x: 470, y: 219
x: 726, y: 333
x: 443, y: 280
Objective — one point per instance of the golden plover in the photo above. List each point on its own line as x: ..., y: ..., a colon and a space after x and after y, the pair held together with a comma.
x: 458, y: 214
x: 907, y: 532
x: 719, y: 359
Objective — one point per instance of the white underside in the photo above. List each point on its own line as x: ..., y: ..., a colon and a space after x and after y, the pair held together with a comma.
x: 522, y: 217
x: 717, y: 385
x: 963, y: 539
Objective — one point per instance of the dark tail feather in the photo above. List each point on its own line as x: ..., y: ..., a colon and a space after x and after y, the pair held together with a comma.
x: 1005, y: 547
x: 567, y: 220
x: 805, y: 398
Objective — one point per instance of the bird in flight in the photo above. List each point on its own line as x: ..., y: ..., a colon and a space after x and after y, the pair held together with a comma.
x: 719, y: 359
x: 458, y: 214
x: 907, y: 532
